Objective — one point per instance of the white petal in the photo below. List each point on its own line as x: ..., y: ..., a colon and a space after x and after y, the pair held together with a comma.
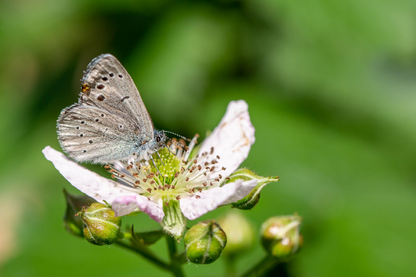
x: 124, y: 204
x: 231, y: 139
x: 86, y: 181
x: 151, y: 208
x: 209, y: 200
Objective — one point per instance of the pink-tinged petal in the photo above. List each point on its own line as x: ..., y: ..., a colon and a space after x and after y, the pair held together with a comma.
x: 231, y: 139
x: 193, y: 207
x: 86, y: 181
x: 151, y: 208
x: 124, y: 204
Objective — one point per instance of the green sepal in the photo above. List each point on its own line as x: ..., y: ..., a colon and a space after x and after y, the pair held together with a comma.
x: 146, y: 238
x: 174, y: 223
x: 74, y: 204
x: 251, y: 200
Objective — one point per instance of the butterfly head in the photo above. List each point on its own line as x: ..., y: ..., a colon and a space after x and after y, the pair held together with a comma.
x: 159, y: 138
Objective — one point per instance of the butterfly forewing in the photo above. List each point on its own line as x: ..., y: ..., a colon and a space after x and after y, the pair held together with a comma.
x: 110, y: 120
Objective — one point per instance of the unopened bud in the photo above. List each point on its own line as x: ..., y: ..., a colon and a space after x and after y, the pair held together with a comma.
x: 101, y: 226
x: 280, y: 236
x: 204, y: 242
x: 240, y: 234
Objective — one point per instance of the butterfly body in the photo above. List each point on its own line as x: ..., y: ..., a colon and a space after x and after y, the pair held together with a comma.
x: 110, y: 121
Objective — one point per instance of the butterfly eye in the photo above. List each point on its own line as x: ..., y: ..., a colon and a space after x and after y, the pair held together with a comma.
x: 158, y: 139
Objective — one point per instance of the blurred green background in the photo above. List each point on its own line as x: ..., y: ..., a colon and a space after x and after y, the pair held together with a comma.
x: 331, y: 92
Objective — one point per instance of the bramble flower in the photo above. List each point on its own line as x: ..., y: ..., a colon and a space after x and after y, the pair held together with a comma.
x: 180, y: 187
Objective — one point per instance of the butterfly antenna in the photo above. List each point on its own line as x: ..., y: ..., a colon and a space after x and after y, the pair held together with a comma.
x: 187, y: 139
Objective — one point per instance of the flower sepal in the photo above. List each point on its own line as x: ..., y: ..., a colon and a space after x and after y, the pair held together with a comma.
x: 173, y: 223
x: 146, y: 238
x: 251, y: 200
x: 75, y: 203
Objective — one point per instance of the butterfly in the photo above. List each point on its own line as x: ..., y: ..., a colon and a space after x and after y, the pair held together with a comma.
x: 110, y: 121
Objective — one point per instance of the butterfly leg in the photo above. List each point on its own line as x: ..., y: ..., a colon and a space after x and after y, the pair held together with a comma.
x: 153, y: 161
x: 159, y: 157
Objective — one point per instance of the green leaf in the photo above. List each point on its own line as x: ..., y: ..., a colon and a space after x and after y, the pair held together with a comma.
x: 251, y: 200
x: 74, y: 204
x: 147, y: 238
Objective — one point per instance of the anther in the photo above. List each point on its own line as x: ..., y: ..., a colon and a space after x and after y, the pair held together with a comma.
x: 129, y: 167
x: 212, y: 169
x: 149, y: 190
x: 195, y: 161
x: 137, y: 182
x: 218, y: 157
x: 152, y: 182
x: 217, y: 180
x: 113, y: 176
x: 187, y: 179
x: 145, y: 180
x: 223, y: 168
x: 135, y: 174
x: 197, y: 196
x: 107, y: 166
x: 178, y: 197
x: 122, y: 176
x: 219, y: 175
x: 212, y: 150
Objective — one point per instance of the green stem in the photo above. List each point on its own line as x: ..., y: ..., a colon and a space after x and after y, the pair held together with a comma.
x: 262, y: 267
x: 175, y: 262
x: 230, y: 266
x: 145, y: 253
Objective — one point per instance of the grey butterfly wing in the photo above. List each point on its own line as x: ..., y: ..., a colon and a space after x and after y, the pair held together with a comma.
x: 110, y: 122
x: 112, y: 89
x: 89, y: 134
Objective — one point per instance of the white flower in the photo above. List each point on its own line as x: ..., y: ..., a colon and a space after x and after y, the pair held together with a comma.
x: 185, y: 187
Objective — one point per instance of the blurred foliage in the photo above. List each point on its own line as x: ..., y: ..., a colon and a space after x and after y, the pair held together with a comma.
x: 331, y: 91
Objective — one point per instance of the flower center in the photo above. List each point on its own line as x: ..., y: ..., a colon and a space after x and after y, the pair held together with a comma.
x: 171, y: 173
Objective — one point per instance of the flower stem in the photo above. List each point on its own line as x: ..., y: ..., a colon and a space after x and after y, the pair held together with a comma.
x: 145, y: 253
x: 262, y: 267
x: 230, y: 266
x: 175, y: 262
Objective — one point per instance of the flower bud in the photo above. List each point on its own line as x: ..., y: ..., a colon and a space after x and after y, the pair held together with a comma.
x: 240, y: 233
x: 101, y: 226
x: 74, y: 203
x: 204, y: 242
x: 280, y: 236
